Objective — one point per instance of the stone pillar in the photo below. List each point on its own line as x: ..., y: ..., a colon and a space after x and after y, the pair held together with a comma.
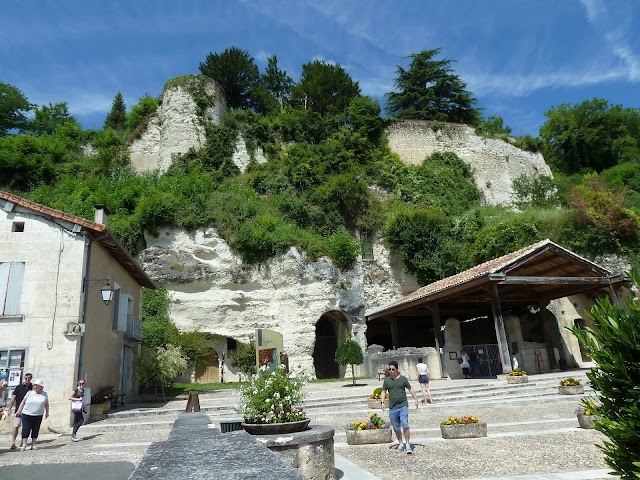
x: 452, y: 343
x: 513, y: 329
x: 394, y: 333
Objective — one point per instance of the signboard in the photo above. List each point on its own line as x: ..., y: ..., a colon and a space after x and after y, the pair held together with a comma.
x: 14, y: 378
x: 268, y: 348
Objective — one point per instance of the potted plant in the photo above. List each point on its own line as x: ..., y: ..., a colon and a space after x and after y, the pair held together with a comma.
x: 586, y: 415
x: 374, y: 401
x: 570, y: 386
x: 374, y: 430
x: 270, y: 402
x: 463, y: 427
x: 517, y: 375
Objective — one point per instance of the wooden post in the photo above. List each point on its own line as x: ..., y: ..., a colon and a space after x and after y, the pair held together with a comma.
x: 394, y: 333
x: 437, y: 331
x: 501, y: 335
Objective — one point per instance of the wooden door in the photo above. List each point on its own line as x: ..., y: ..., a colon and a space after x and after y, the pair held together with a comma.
x: 208, y: 370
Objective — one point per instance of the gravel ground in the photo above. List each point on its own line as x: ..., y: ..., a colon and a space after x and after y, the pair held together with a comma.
x: 479, y: 457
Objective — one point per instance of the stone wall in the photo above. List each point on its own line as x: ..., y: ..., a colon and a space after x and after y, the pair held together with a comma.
x: 212, y: 289
x: 496, y: 163
x: 176, y: 127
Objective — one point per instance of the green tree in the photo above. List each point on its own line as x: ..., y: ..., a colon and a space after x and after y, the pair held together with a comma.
x: 48, y: 118
x: 592, y: 135
x: 117, y: 117
x: 349, y: 353
x: 613, y: 342
x: 325, y: 88
x: 536, y: 191
x: 493, y: 125
x: 277, y: 82
x: 141, y: 111
x: 429, y: 90
x: 236, y: 72
x: 245, y: 358
x: 14, y: 107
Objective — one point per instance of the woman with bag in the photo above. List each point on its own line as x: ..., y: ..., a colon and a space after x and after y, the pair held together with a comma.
x: 77, y: 401
x: 34, y: 405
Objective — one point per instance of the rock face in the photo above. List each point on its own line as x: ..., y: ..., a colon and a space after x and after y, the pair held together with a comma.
x: 212, y: 289
x: 496, y: 163
x: 176, y: 127
x: 242, y: 157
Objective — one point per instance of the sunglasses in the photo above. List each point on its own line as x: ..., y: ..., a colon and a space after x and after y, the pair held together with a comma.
x: 80, y: 383
x: 392, y: 369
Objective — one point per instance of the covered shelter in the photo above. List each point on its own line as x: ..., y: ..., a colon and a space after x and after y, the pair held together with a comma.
x: 528, y: 278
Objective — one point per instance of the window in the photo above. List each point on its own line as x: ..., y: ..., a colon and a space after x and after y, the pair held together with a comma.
x: 11, y: 277
x: 11, y: 369
x: 17, y: 227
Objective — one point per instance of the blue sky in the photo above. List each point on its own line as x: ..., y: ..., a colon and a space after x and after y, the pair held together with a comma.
x: 519, y: 58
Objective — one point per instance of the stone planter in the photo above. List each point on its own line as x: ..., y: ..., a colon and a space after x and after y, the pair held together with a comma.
x: 275, y: 428
x: 586, y: 421
x: 516, y: 380
x: 98, y: 411
x: 468, y: 430
x: 362, y: 437
x: 570, y: 390
x: 376, y: 403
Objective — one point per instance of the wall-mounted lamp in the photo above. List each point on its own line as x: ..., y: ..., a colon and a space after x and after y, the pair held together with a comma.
x: 106, y: 292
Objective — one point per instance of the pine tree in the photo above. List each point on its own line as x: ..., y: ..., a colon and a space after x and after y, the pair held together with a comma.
x: 118, y: 115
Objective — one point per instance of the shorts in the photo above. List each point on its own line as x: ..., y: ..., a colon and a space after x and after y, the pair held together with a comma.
x: 17, y: 421
x: 399, y: 418
x: 424, y: 378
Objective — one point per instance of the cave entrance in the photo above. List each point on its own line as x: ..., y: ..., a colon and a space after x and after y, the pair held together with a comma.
x: 331, y: 330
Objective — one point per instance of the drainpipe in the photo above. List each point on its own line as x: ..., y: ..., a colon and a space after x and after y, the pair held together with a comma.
x: 84, y: 308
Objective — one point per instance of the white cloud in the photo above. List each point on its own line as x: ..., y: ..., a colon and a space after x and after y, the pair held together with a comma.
x: 594, y: 8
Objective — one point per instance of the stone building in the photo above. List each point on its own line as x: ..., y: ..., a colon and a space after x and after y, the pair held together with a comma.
x: 70, y: 303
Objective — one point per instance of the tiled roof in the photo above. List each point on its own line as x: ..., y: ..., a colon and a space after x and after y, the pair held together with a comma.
x: 52, y: 212
x: 481, y: 270
x: 97, y: 231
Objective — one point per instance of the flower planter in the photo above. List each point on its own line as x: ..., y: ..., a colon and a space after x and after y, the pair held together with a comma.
x: 468, y: 430
x: 275, y: 428
x: 98, y: 411
x: 374, y: 403
x: 586, y: 421
x: 514, y: 380
x: 363, y: 437
x: 570, y: 390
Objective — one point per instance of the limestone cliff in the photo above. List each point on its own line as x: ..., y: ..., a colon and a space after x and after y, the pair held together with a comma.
x: 212, y: 289
x: 495, y: 163
x: 177, y: 126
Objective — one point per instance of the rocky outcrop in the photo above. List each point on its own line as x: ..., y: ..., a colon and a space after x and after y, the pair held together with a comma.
x: 212, y: 289
x: 177, y: 126
x: 242, y: 157
x: 495, y: 163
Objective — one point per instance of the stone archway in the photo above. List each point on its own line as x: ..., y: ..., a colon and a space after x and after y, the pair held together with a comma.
x: 331, y: 330
x: 208, y: 369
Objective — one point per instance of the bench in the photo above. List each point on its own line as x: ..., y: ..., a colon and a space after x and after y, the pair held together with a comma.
x: 117, y: 399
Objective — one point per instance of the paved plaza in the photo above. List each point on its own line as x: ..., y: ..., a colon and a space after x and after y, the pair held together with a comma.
x: 532, y: 434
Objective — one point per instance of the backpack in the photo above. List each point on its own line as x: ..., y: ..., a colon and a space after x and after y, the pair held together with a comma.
x: 460, y: 360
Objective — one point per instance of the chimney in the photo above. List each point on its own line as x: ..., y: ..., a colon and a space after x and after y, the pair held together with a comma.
x: 101, y: 214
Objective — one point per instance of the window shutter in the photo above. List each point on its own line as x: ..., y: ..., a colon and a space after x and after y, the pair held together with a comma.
x: 123, y: 303
x: 11, y: 278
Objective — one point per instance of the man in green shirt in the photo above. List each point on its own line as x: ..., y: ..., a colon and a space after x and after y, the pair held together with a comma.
x: 398, y: 405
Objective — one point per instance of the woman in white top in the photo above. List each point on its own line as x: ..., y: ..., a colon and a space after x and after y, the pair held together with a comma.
x: 465, y: 363
x: 423, y: 378
x: 34, y: 405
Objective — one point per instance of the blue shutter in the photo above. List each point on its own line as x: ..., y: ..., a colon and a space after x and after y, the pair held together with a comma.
x: 13, y: 289
x: 4, y: 281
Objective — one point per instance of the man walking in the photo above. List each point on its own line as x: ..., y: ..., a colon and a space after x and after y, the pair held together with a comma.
x: 18, y: 394
x: 398, y: 405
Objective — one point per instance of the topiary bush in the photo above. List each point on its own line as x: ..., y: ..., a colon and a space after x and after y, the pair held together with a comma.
x: 350, y: 353
x: 613, y: 342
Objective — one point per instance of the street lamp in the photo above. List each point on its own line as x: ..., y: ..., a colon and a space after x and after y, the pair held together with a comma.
x: 107, y: 294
